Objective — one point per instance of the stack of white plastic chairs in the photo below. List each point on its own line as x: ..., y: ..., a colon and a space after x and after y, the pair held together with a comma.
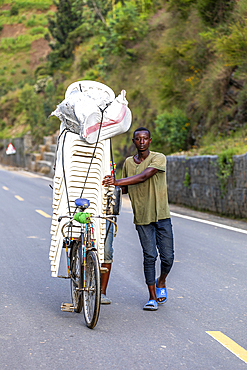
x: 77, y: 157
x: 74, y: 155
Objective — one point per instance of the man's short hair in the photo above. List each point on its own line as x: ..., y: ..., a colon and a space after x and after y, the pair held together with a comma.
x: 141, y: 129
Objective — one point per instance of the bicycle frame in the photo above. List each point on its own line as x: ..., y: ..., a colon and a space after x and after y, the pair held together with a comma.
x: 84, y: 242
x: 83, y: 266
x: 87, y: 243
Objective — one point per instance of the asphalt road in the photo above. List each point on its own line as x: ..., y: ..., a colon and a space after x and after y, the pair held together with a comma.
x: 207, y: 294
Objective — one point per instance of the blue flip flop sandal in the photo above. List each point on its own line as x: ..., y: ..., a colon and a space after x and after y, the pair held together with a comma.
x: 151, y: 305
x: 161, y: 293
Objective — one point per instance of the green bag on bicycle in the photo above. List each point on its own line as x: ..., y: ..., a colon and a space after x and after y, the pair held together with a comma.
x: 82, y: 217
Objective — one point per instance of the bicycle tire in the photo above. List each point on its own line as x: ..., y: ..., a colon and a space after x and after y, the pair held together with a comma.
x: 91, y: 294
x: 76, y: 276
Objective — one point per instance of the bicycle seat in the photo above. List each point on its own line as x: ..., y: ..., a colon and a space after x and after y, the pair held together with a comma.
x: 82, y: 203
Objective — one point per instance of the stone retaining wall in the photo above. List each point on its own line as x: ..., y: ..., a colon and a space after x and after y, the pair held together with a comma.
x: 202, y: 189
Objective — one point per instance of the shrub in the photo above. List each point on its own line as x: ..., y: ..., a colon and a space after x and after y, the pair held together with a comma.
x: 31, y: 105
x: 181, y: 6
x: 5, y: 85
x: 171, y: 130
x: 125, y: 26
x: 31, y: 22
x: 14, y: 10
x: 2, y: 126
x: 187, y: 180
x: 91, y: 74
x: 214, y: 12
x: 20, y: 84
x: 233, y: 46
x: 37, y: 30
x: 225, y: 164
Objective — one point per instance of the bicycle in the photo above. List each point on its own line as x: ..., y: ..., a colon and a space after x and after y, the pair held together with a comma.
x: 83, y: 265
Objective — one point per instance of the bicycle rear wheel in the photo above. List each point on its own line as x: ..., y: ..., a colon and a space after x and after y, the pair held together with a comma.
x: 76, y: 276
x: 91, y: 293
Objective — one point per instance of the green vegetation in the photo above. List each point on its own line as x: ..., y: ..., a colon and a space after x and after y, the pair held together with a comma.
x: 14, y: 10
x: 183, y: 64
x: 28, y: 4
x: 225, y: 163
x: 171, y: 131
x: 19, y: 43
x: 214, y: 143
x: 186, y: 181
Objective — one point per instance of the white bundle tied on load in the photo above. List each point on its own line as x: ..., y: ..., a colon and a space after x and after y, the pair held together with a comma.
x: 90, y: 106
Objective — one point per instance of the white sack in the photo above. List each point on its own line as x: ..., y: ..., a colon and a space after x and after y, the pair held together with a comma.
x: 81, y: 111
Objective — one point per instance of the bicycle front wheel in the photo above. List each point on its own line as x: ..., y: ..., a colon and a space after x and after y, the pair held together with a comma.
x: 76, y: 276
x: 91, y: 292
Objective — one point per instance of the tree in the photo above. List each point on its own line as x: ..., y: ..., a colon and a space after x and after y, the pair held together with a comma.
x: 68, y: 18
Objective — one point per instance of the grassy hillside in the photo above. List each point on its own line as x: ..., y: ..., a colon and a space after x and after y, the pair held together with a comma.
x: 23, y: 47
x: 23, y: 27
x: 182, y: 63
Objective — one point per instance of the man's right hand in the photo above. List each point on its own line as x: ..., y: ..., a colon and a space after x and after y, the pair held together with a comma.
x: 109, y: 180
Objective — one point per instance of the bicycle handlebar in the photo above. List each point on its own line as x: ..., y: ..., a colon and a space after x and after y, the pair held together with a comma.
x: 60, y: 217
x: 108, y: 217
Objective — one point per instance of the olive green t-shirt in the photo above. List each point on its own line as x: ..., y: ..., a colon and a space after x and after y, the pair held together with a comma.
x: 148, y: 199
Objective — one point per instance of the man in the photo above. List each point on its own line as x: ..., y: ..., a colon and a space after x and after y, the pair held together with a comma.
x: 108, y: 253
x: 108, y: 257
x: 144, y: 179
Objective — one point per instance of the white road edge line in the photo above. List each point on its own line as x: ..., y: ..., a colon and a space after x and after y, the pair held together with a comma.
x: 210, y: 223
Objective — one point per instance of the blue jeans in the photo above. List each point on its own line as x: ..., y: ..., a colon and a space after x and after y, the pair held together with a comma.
x: 108, y: 250
x: 157, y: 235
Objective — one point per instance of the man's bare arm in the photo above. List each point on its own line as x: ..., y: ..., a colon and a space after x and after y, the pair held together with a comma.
x: 132, y: 180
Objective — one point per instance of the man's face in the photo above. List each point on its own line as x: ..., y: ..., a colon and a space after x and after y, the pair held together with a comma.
x: 142, y: 140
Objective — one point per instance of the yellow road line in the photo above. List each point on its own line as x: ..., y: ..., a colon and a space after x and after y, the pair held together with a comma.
x: 42, y: 213
x: 19, y: 198
x: 5, y: 188
x: 232, y: 346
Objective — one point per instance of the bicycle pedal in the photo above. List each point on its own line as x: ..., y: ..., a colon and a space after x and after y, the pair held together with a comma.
x: 103, y: 270
x: 67, y: 307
